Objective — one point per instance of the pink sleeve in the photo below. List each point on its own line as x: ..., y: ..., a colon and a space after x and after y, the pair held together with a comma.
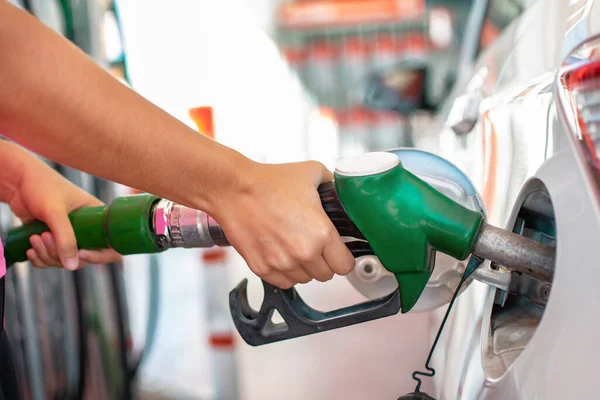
x: 2, y: 261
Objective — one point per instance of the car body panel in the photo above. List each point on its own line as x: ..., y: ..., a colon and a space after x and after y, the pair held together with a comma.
x: 520, y: 136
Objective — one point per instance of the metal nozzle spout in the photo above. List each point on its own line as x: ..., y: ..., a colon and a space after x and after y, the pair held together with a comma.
x: 515, y: 252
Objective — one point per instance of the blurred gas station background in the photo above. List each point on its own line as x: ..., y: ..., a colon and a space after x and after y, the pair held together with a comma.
x: 279, y: 81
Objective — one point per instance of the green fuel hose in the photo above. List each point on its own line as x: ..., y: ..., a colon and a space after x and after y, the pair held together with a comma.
x: 124, y: 225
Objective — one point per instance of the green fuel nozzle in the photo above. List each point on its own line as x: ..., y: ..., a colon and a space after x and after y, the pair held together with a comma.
x: 404, y: 219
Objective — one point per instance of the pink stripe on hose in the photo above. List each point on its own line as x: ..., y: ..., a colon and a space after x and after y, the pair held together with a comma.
x: 2, y: 261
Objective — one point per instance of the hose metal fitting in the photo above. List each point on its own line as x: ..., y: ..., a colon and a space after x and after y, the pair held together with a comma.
x: 179, y: 226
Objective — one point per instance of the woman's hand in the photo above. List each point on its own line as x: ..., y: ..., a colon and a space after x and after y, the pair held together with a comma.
x: 278, y: 225
x: 35, y: 191
x: 274, y: 218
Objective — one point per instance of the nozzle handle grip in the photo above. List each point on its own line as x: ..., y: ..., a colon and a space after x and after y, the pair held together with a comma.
x: 86, y: 222
x: 123, y: 225
x: 335, y: 211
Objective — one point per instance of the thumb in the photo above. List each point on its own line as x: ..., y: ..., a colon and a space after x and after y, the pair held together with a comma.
x: 319, y: 172
x: 327, y: 175
x: 66, y: 244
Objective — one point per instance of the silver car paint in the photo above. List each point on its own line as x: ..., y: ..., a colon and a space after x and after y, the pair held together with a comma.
x: 516, y: 78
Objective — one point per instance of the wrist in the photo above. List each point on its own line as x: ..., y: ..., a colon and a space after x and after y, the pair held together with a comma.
x: 234, y: 177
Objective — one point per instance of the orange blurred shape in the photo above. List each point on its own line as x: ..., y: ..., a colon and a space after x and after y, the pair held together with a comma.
x: 342, y: 117
x: 324, y: 13
x: 489, y: 33
x: 361, y: 115
x: 294, y: 55
x: 355, y: 47
x: 222, y: 340
x: 327, y: 113
x: 388, y: 44
x: 203, y: 118
x: 214, y: 256
x: 323, y: 50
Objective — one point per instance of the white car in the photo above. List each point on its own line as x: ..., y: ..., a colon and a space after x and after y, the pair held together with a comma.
x: 523, y: 124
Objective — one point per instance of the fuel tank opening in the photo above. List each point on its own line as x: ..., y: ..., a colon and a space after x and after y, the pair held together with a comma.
x: 517, y: 311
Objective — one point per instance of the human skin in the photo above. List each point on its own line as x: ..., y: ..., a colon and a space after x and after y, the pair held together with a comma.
x: 59, y: 103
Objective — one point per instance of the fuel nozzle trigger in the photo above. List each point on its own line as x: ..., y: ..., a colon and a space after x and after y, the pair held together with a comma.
x: 300, y: 319
x: 257, y: 327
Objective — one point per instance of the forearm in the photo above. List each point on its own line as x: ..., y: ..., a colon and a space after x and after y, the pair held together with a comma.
x: 60, y: 104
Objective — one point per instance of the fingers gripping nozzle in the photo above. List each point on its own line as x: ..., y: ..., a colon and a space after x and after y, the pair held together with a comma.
x: 257, y: 327
x: 355, y: 240
x: 147, y: 224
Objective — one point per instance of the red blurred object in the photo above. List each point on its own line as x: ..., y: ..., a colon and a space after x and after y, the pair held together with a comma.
x: 585, y: 76
x: 203, y: 118
x: 414, y: 88
x: 323, y: 50
x: 489, y: 34
x: 583, y: 85
x: 294, y: 55
x: 327, y: 13
x: 415, y: 42
x: 355, y: 46
x: 388, y: 44
x: 342, y: 117
x: 221, y: 340
x: 296, y: 58
x: 360, y: 115
x: 213, y: 256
